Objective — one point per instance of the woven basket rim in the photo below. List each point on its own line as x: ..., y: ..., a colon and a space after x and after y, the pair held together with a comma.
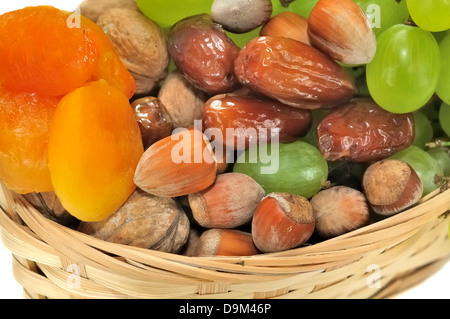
x: 53, y: 245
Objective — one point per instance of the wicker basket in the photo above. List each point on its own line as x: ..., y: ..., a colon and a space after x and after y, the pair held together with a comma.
x: 377, y: 261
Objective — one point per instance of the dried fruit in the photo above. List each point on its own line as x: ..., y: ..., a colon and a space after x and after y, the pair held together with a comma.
x: 230, y: 202
x: 24, y: 132
x: 145, y: 221
x: 225, y: 242
x: 338, y: 210
x: 240, y: 121
x: 46, y: 55
x: 282, y: 221
x: 391, y: 186
x: 94, y: 147
x: 154, y: 121
x: 361, y: 131
x: 342, y: 30
x: 140, y: 43
x: 177, y: 165
x: 293, y: 73
x: 204, y: 54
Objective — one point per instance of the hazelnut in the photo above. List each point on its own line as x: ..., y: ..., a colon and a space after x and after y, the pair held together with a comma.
x: 343, y: 31
x: 289, y: 25
x: 177, y: 165
x: 391, y: 186
x: 282, y: 221
x: 338, y: 210
x: 144, y: 221
x: 230, y: 202
x: 225, y: 242
x: 140, y: 43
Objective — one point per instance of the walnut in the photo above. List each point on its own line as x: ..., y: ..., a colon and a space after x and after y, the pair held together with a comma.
x: 141, y: 44
x: 145, y: 221
x: 92, y: 9
x: 183, y: 102
x: 49, y: 205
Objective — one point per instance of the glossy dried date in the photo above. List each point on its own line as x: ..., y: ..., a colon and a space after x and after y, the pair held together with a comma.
x: 204, y: 54
x: 293, y: 73
x: 361, y: 131
x: 240, y: 121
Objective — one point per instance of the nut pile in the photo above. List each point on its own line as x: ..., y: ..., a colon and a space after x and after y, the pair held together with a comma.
x: 242, y: 150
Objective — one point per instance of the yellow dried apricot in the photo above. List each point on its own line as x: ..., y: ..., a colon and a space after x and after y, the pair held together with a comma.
x: 94, y: 147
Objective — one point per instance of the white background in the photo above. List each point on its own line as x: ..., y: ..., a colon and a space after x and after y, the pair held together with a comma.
x: 436, y: 287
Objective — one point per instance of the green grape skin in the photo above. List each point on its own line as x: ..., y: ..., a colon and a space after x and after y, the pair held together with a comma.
x: 384, y: 13
x: 430, y: 15
x: 443, y: 88
x: 444, y: 118
x: 405, y: 71
x: 167, y: 12
x: 300, y: 168
x: 442, y: 156
x: 424, y: 164
x: 424, y: 131
x: 302, y: 7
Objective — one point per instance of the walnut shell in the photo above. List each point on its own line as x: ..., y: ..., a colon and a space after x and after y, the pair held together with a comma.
x: 141, y: 44
x: 92, y: 9
x: 49, y: 205
x: 183, y: 102
x: 144, y: 221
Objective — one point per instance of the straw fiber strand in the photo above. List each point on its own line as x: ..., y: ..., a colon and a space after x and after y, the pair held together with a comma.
x: 53, y: 261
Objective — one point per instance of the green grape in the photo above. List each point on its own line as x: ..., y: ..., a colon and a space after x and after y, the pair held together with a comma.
x: 423, y: 129
x: 430, y: 15
x: 443, y: 88
x: 297, y: 167
x: 444, y: 118
x: 405, y: 72
x: 302, y: 7
x: 383, y: 14
x: 167, y: 12
x: 424, y: 165
x: 442, y: 156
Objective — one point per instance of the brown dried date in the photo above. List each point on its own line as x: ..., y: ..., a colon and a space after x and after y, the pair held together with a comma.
x: 293, y: 73
x: 153, y: 119
x: 204, y: 54
x: 251, y: 119
x: 361, y: 131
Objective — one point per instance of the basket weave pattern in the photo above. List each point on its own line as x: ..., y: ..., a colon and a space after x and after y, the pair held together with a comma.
x: 52, y: 261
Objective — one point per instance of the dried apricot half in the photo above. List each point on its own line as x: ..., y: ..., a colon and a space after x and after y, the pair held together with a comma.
x: 47, y: 53
x: 94, y: 147
x: 24, y: 132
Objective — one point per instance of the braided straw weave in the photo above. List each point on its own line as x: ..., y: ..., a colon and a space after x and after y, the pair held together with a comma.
x: 377, y: 261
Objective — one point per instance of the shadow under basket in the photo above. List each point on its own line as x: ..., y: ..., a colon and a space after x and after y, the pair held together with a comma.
x: 377, y: 261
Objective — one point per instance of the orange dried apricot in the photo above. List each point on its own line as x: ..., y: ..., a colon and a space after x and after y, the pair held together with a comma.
x: 43, y: 55
x: 49, y: 54
x: 24, y: 131
x: 94, y: 147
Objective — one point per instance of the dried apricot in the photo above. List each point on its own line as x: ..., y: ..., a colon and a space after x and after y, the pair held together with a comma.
x: 49, y: 54
x: 24, y: 131
x: 94, y: 147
